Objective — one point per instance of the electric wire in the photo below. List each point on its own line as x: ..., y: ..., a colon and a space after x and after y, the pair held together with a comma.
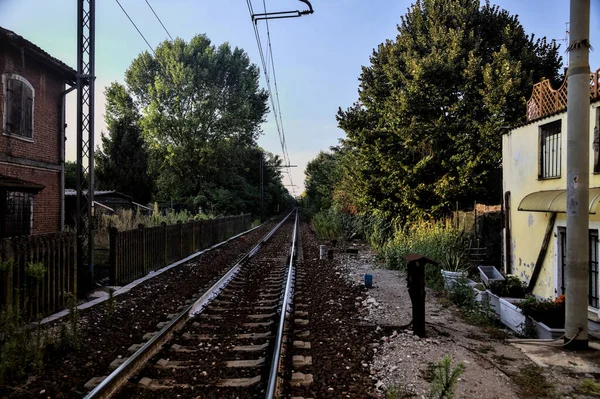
x: 136, y: 28
x: 269, y: 67
x: 163, y: 25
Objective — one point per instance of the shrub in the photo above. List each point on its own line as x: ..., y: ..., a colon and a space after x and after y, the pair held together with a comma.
x: 445, y: 379
x: 513, y: 287
x: 549, y: 312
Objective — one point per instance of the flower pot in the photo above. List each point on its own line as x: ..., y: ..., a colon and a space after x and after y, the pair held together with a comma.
x: 511, y: 316
x: 494, y: 302
x: 450, y: 278
x: 545, y: 332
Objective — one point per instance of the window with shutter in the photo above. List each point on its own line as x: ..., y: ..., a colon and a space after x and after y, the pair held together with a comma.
x: 18, y: 107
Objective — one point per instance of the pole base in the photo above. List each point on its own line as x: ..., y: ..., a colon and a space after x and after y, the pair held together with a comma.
x: 576, y: 344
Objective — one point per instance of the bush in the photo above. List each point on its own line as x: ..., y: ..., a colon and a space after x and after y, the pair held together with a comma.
x: 549, y: 312
x: 513, y: 287
x: 431, y: 239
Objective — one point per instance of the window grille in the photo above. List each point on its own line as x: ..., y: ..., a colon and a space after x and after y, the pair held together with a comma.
x: 19, y: 214
x: 596, y: 142
x: 550, y: 150
x: 594, y: 270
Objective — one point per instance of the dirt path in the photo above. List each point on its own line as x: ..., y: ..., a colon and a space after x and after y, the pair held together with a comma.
x: 493, y: 368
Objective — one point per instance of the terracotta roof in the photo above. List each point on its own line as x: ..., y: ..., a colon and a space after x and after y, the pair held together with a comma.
x: 10, y: 37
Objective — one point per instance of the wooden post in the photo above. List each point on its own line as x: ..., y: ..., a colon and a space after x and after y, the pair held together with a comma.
x: 166, y: 248
x: 112, y: 255
x: 180, y: 239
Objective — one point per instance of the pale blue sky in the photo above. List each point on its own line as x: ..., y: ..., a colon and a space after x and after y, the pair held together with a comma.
x: 318, y: 57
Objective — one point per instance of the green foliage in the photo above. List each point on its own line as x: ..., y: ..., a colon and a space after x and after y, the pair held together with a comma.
x: 322, y: 173
x: 473, y: 312
x: 445, y: 379
x: 327, y: 224
x: 36, y: 270
x: 21, y: 348
x: 70, y: 332
x: 549, y: 312
x: 122, y: 163
x: 513, y: 287
x: 70, y: 175
x: 425, y: 131
x: 532, y: 383
x: 431, y: 239
x: 111, y: 304
x: 399, y: 392
x: 7, y: 265
x: 588, y: 387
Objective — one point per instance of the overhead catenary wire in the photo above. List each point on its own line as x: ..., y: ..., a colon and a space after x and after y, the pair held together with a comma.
x: 159, y: 20
x: 136, y: 28
x: 268, y: 64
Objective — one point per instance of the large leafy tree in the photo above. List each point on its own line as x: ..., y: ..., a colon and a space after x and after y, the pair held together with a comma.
x: 122, y: 163
x: 323, y: 174
x: 425, y: 132
x: 201, y: 109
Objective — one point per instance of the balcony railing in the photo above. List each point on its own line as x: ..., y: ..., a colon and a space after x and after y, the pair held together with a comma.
x: 546, y: 101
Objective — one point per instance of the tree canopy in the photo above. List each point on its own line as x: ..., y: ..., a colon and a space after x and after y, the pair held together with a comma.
x: 191, y: 114
x: 425, y: 132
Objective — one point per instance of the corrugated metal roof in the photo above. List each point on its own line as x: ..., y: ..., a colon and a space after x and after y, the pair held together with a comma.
x: 69, y: 192
x: 555, y: 201
x: 10, y: 37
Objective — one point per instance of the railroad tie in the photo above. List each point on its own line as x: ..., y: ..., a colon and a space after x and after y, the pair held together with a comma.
x: 239, y: 382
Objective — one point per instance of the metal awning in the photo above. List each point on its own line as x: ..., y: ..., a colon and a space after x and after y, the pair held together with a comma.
x: 15, y: 184
x: 555, y: 201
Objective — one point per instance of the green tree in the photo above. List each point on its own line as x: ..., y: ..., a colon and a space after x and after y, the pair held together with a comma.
x: 70, y: 174
x: 425, y: 132
x: 201, y: 109
x: 323, y: 174
x: 122, y: 163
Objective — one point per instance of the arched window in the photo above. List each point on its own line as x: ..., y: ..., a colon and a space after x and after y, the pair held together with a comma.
x: 18, y: 106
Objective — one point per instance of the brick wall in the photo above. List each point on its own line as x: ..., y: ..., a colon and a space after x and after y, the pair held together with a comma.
x: 46, y: 204
x: 46, y: 146
x: 48, y: 85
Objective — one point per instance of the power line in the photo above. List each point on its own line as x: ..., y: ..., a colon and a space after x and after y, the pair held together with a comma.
x: 269, y: 64
x: 136, y: 28
x: 163, y: 25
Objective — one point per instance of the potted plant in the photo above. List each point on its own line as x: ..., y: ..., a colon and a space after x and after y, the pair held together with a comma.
x: 453, y: 268
x: 547, y: 316
x: 503, y: 296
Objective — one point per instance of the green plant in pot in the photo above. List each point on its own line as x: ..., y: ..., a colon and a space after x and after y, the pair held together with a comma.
x: 511, y: 288
x: 453, y: 267
x: 547, y: 311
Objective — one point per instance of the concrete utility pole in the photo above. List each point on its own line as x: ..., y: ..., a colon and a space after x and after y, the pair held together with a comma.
x: 578, y: 172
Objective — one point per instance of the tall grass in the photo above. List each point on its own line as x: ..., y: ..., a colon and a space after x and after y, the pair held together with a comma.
x: 433, y: 240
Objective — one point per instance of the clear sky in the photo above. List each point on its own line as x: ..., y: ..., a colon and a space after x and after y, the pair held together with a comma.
x: 318, y: 58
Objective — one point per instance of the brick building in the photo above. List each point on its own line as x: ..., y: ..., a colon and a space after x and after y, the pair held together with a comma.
x: 32, y: 91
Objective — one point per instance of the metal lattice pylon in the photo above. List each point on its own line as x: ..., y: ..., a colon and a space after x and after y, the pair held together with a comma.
x: 85, y: 141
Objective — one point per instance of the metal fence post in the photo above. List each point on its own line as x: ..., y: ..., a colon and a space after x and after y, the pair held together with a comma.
x: 112, y: 255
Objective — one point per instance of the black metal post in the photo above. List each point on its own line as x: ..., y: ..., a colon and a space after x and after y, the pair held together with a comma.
x: 85, y: 141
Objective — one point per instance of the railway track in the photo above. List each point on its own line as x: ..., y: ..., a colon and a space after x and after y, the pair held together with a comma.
x: 229, y: 342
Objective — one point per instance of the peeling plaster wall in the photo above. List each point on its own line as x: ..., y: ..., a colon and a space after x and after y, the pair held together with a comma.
x: 520, y: 162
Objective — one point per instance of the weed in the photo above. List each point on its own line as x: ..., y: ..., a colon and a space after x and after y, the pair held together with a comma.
x: 110, y: 304
x: 7, y: 265
x: 399, y: 392
x: 429, y: 373
x: 445, y: 379
x: 588, y: 387
x: 36, y: 270
x: 472, y: 311
x: 532, y: 383
x: 70, y: 334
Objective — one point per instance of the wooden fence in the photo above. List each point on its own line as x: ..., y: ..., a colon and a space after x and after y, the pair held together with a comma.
x: 135, y: 253
x: 37, y: 272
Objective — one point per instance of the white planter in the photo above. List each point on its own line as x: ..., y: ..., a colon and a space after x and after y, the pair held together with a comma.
x: 511, y: 316
x: 494, y: 302
x: 450, y: 278
x: 545, y: 332
x: 481, y: 296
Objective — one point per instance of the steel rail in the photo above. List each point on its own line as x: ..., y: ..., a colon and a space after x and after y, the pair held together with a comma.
x: 119, y: 377
x: 272, y: 385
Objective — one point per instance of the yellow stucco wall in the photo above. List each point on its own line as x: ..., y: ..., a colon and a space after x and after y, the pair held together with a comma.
x: 520, y: 162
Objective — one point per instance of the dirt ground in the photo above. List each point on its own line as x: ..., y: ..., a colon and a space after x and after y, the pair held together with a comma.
x: 493, y: 368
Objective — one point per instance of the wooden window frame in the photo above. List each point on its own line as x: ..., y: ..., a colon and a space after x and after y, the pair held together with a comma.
x: 5, y: 79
